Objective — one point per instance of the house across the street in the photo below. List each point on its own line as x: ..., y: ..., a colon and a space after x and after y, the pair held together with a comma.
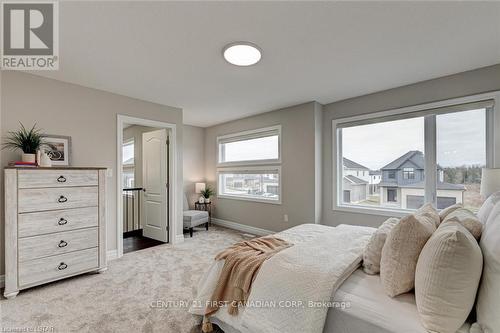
x: 403, y: 181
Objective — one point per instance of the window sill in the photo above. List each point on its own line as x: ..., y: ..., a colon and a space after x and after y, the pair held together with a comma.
x: 388, y: 212
x: 231, y: 197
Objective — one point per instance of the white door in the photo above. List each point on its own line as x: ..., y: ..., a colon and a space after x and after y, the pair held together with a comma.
x: 155, y: 184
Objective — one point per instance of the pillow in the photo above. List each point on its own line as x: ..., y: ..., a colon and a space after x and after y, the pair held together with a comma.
x: 429, y: 211
x: 445, y: 212
x: 373, y: 251
x: 447, y: 276
x: 488, y: 301
x: 401, y: 250
x: 467, y: 219
x: 487, y: 207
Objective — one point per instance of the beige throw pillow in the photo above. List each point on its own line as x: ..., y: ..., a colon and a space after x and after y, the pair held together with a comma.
x: 467, y: 219
x: 373, y: 251
x: 445, y: 212
x: 447, y: 276
x: 401, y: 250
x: 429, y: 211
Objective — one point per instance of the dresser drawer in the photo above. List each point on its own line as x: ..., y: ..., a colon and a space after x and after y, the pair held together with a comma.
x: 56, y: 267
x: 32, y: 200
x: 58, y: 243
x: 39, y: 223
x: 56, y: 178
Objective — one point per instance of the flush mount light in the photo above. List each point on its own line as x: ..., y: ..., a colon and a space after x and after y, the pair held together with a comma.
x: 242, y: 53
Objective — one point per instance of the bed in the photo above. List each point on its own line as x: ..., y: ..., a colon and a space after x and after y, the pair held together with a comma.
x: 369, y: 310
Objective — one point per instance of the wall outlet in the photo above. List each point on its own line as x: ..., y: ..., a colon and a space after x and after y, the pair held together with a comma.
x: 285, y: 218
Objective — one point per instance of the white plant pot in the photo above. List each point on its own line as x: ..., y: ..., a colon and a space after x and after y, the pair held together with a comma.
x: 30, y: 158
x: 207, y: 200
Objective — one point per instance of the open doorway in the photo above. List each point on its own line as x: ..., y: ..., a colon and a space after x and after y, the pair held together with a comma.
x: 145, y: 169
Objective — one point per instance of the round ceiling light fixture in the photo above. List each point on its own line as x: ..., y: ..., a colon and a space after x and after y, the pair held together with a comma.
x: 242, y: 53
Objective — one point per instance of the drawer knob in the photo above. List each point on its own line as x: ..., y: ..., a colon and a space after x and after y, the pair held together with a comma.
x: 61, y: 179
x: 63, y: 244
x: 62, y: 221
x: 62, y: 266
x: 62, y: 199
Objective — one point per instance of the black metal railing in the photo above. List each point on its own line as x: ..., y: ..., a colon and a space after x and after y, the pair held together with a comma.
x: 132, y: 209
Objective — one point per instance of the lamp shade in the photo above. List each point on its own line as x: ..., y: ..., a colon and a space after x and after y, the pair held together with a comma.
x: 199, y: 187
x: 490, y: 182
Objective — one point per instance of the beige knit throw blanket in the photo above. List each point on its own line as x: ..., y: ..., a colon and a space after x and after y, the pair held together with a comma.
x: 242, y: 263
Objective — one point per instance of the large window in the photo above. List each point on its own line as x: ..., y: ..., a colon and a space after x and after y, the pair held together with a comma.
x: 423, y: 156
x: 249, y: 165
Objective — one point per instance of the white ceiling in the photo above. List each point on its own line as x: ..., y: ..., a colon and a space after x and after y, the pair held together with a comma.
x: 170, y: 52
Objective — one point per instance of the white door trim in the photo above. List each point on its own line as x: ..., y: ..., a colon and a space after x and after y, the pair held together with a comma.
x: 121, y: 120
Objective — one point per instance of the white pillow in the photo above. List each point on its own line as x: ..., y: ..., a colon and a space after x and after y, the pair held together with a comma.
x: 488, y: 301
x: 445, y: 212
x: 447, y: 276
x: 467, y: 219
x: 373, y: 251
x: 401, y: 250
x: 485, y: 210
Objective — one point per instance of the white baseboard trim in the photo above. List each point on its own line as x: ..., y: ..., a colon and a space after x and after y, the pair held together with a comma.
x: 2, y: 281
x: 179, y: 239
x: 242, y: 227
x: 112, y: 254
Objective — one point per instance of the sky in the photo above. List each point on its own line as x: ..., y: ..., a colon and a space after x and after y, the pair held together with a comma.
x: 461, y: 140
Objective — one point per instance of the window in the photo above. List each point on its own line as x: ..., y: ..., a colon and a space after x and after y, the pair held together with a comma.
x: 251, y: 184
x: 128, y: 164
x: 408, y: 173
x: 249, y: 165
x: 439, y: 155
x: 257, y: 146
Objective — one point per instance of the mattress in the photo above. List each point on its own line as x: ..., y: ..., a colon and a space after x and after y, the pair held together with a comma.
x: 363, y: 306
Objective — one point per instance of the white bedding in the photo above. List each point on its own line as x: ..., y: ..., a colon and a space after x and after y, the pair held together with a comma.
x: 318, y: 263
x: 371, y: 310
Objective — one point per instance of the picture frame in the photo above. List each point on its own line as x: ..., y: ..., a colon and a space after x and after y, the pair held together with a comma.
x: 58, y: 148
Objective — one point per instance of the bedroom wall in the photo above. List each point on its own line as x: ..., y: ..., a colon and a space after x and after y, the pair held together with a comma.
x: 194, y: 160
x: 458, y: 85
x: 89, y: 117
x: 298, y: 169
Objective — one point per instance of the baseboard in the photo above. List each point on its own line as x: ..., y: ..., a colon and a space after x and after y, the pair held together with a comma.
x: 179, y: 239
x: 242, y: 227
x: 2, y: 281
x: 112, y: 254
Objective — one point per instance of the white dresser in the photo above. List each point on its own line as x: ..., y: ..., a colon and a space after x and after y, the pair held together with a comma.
x: 55, y: 225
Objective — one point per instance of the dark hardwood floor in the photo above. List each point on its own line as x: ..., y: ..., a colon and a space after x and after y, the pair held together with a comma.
x: 134, y: 241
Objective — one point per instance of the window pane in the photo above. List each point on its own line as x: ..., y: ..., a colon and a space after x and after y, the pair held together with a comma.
x: 266, y: 148
x: 383, y: 164
x: 461, y: 153
x: 128, y: 153
x: 263, y: 186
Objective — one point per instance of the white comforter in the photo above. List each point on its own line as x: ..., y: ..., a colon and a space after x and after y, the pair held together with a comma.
x: 310, y: 271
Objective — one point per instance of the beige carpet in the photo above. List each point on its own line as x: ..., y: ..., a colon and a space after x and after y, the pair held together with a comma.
x: 120, y: 300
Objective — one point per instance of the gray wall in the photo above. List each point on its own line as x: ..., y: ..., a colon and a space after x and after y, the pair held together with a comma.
x: 89, y: 117
x: 467, y: 83
x: 194, y: 160
x: 298, y: 169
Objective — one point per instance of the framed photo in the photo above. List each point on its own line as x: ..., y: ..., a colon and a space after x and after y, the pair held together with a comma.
x: 58, y: 148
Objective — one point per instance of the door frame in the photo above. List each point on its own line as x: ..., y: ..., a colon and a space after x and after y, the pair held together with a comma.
x: 172, y: 211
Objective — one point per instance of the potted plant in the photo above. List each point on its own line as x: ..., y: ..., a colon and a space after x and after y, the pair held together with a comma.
x: 29, y: 141
x: 207, y: 193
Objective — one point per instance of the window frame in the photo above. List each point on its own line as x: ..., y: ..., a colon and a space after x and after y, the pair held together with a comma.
x: 407, y: 172
x: 253, y: 166
x: 248, y: 135
x: 254, y: 170
x: 429, y: 112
